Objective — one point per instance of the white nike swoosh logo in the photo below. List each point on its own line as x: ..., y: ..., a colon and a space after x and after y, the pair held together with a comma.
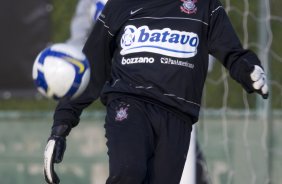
x: 135, y: 11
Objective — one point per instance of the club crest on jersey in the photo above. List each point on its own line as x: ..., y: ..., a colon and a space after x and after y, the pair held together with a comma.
x: 188, y: 6
x: 121, y: 114
x: 165, y: 41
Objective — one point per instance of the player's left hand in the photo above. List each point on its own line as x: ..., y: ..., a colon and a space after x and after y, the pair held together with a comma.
x: 259, y: 82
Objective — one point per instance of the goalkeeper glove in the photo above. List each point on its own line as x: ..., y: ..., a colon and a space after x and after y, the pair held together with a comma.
x: 259, y: 81
x: 54, y: 152
x: 256, y: 81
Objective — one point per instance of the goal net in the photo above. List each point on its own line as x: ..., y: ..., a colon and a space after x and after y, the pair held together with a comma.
x: 239, y: 133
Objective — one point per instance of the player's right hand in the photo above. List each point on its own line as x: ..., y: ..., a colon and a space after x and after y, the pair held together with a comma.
x: 54, y: 152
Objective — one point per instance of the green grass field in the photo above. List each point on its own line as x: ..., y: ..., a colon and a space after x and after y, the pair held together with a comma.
x: 22, y: 141
x: 235, y: 149
x: 242, y: 150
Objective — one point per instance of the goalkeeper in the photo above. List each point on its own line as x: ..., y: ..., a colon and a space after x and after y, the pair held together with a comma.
x: 149, y: 61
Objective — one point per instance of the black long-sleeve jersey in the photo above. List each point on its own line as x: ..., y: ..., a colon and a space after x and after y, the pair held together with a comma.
x: 157, y: 50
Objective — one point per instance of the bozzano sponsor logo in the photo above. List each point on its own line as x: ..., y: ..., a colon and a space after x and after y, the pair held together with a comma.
x: 136, y: 60
x: 165, y: 41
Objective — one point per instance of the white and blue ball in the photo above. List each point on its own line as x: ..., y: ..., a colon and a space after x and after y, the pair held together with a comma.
x: 61, y: 71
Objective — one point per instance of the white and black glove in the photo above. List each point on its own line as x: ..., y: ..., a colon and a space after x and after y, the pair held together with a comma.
x: 253, y: 79
x: 259, y: 81
x: 54, y: 152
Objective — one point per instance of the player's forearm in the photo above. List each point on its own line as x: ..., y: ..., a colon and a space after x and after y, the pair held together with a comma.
x: 243, y: 64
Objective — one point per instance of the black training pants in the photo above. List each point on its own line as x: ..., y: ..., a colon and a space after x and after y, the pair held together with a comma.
x: 146, y: 143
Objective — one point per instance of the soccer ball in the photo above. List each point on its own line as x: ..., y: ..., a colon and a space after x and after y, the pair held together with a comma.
x: 61, y: 71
